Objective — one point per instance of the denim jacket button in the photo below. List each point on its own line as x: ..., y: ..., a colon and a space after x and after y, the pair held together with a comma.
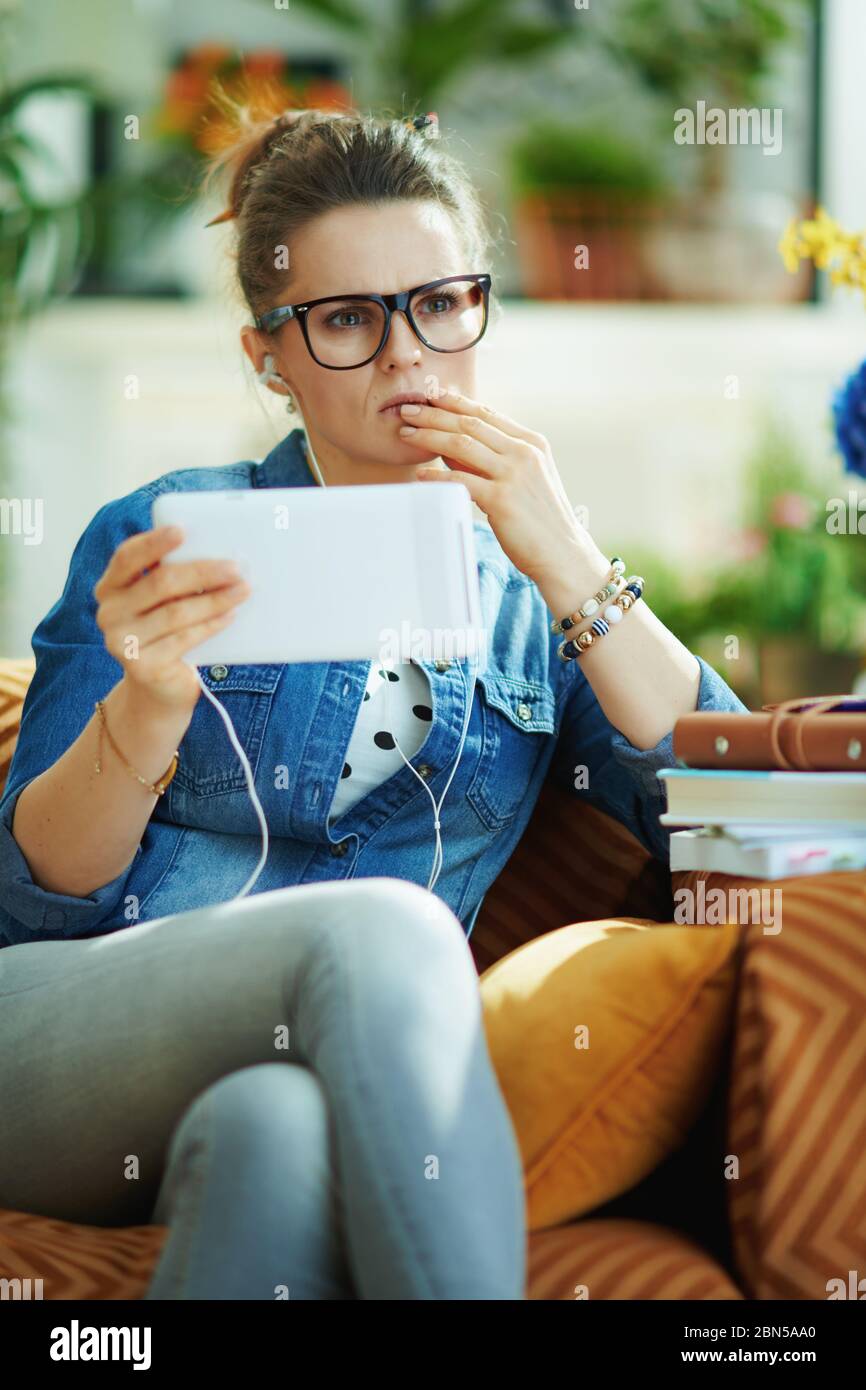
x: 338, y: 850
x: 218, y: 673
x: 425, y: 771
x: 442, y: 664
x: 524, y: 711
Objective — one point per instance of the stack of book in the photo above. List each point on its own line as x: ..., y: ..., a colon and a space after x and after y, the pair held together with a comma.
x: 747, y: 803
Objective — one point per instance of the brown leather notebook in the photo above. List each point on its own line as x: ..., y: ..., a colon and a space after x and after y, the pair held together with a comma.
x: 824, y: 734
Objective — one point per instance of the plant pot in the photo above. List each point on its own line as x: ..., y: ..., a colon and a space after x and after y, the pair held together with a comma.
x: 790, y: 668
x: 723, y: 247
x: 718, y: 247
x: 611, y: 225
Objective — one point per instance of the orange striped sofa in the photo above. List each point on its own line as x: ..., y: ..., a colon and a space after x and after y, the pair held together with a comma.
x: 789, y: 1101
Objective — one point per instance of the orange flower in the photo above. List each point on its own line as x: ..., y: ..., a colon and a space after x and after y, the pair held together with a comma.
x: 185, y: 99
x: 200, y: 102
x: 264, y: 63
x: 187, y: 86
x: 207, y: 57
x: 322, y: 94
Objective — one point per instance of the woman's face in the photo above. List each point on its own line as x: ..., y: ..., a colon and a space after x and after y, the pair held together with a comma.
x: 381, y: 250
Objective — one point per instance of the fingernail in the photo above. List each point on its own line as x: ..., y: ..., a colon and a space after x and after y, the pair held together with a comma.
x: 408, y: 429
x: 410, y: 408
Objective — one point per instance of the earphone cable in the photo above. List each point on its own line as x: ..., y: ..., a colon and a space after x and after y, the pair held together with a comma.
x: 251, y: 788
x: 436, y: 868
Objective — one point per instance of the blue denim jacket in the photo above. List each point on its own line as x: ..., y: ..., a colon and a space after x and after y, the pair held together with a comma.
x: 532, y: 715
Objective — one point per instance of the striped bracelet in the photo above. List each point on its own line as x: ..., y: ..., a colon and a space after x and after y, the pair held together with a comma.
x: 592, y: 605
x: 600, y: 627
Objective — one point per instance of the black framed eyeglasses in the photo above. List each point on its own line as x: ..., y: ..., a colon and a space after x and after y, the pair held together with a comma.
x: 343, y: 331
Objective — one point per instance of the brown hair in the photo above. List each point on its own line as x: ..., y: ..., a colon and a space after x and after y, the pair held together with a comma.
x: 287, y: 170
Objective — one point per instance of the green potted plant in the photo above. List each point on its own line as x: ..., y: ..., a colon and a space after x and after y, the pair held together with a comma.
x: 788, y: 589
x: 713, y: 62
x: 583, y: 197
x: 806, y: 600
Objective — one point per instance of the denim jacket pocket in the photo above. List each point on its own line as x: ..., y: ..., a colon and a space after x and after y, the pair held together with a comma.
x: 208, y: 763
x: 515, y: 715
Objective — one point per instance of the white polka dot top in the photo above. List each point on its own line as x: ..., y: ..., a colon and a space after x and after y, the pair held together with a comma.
x: 372, y: 757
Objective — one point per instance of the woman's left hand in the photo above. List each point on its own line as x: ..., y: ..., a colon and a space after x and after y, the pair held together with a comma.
x: 510, y: 473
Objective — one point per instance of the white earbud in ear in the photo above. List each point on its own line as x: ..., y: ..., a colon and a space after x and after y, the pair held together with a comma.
x: 268, y: 374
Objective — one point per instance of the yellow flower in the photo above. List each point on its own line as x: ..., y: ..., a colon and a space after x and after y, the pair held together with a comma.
x: 789, y: 247
x: 822, y: 240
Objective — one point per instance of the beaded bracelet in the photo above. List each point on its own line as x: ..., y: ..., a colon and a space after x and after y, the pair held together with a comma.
x: 600, y: 627
x: 608, y: 589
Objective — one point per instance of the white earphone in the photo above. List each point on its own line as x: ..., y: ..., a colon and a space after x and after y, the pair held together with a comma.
x: 269, y: 374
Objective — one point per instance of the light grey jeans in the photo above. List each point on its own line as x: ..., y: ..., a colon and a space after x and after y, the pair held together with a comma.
x: 297, y: 1084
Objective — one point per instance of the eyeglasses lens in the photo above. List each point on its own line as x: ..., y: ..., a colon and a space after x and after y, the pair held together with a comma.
x: 347, y: 332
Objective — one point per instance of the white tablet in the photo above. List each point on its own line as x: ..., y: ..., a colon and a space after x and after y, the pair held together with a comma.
x: 337, y: 573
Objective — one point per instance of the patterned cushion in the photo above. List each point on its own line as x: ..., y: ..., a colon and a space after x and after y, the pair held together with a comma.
x: 622, y: 1259
x: 76, y: 1261
x: 611, y: 1259
x: 797, y: 1104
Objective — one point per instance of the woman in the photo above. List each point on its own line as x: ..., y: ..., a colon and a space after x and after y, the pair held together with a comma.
x: 297, y: 1083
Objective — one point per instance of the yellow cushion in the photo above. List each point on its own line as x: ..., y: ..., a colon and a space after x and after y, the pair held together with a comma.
x: 606, y: 1038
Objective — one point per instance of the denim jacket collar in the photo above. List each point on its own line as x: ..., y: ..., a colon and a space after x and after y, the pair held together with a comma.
x: 286, y: 465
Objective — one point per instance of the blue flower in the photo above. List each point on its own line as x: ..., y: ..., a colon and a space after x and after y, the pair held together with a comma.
x: 849, y: 414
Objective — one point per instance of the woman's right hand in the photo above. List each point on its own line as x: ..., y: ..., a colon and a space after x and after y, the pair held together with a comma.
x: 149, y: 621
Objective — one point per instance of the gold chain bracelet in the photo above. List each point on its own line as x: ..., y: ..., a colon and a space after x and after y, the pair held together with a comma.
x: 156, y: 787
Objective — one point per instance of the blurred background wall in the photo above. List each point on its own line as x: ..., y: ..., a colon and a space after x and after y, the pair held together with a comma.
x: 685, y: 377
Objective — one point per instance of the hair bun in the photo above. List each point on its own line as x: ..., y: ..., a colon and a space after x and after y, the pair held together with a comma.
x: 284, y: 120
x: 253, y: 151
